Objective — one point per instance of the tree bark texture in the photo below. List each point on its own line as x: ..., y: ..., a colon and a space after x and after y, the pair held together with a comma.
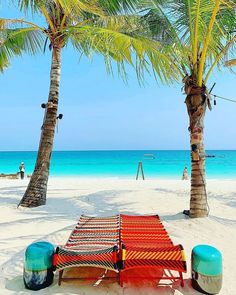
x: 36, y: 191
x: 196, y: 102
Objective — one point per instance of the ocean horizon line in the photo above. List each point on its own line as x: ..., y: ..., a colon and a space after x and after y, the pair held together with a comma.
x: 115, y: 150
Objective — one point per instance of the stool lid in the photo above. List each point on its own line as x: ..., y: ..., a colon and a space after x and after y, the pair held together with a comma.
x: 207, y: 260
x: 38, y: 256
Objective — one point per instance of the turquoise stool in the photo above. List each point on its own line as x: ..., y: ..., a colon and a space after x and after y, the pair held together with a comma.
x: 206, y: 269
x: 38, y: 268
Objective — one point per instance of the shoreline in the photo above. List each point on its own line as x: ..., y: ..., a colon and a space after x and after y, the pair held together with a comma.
x: 122, y: 177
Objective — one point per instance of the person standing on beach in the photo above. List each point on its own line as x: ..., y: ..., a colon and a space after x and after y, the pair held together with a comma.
x: 185, y: 174
x: 22, y: 170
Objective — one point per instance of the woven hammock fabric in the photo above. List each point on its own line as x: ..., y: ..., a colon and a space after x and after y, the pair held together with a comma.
x: 149, y: 245
x: 121, y: 243
x: 91, y: 243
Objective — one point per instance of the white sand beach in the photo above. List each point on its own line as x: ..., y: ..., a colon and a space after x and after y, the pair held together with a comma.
x: 68, y: 198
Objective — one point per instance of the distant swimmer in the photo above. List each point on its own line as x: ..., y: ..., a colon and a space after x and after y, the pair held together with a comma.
x: 22, y: 170
x: 185, y: 174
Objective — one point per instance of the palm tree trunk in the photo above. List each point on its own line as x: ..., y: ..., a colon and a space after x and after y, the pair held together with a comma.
x: 35, y: 194
x: 196, y: 102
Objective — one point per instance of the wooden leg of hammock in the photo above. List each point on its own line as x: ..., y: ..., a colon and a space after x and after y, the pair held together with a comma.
x: 120, y: 279
x: 181, y: 278
x: 60, y: 277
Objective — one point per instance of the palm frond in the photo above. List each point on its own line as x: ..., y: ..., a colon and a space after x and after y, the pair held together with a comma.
x: 171, y: 36
x: 114, y: 7
x: 15, y: 41
x: 124, y: 48
x: 30, y: 5
x: 68, y: 6
x: 193, y: 28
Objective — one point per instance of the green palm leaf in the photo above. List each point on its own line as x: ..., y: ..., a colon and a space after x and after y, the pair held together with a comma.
x: 15, y: 41
x: 187, y: 24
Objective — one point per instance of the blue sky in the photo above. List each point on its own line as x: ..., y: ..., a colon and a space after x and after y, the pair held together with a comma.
x: 100, y: 111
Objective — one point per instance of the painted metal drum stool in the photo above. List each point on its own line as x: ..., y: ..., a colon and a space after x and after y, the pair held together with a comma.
x: 38, y: 269
x: 206, y: 269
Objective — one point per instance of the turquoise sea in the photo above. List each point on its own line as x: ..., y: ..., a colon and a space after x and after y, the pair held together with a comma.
x: 163, y: 164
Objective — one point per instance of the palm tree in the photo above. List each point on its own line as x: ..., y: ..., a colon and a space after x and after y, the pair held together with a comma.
x: 201, y: 34
x: 91, y: 26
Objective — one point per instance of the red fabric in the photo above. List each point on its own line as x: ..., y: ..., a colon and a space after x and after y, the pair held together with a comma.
x: 149, y: 250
